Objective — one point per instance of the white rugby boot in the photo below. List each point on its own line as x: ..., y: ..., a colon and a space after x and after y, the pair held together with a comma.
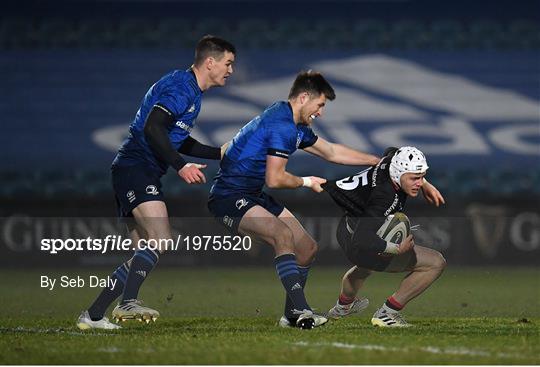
x: 84, y: 322
x: 134, y: 310
x: 383, y: 318
x: 285, y: 323
x: 309, y: 320
x: 356, y: 306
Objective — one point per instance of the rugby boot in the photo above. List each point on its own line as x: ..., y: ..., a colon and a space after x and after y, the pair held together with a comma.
x: 339, y: 311
x: 84, y: 322
x: 383, y: 318
x: 134, y: 310
x: 309, y: 320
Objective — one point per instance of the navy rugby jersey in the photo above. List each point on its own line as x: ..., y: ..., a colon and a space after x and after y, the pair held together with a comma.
x: 178, y: 94
x: 243, y: 168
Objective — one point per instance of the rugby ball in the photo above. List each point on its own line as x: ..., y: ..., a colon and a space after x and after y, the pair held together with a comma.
x: 395, y: 228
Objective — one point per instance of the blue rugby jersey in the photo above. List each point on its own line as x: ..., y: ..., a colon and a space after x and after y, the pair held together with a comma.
x: 243, y: 168
x: 178, y: 94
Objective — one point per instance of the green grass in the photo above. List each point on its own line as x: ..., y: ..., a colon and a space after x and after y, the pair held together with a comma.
x: 228, y: 316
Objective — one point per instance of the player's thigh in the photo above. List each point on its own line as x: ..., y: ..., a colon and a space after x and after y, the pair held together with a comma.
x: 261, y: 224
x: 401, y: 263
x: 303, y: 242
x: 427, y: 258
x: 153, y: 219
x: 420, y: 258
x: 357, y: 273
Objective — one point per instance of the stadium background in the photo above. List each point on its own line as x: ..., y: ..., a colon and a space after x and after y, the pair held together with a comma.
x: 459, y: 80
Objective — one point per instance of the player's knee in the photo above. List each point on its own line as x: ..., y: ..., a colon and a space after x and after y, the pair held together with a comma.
x: 305, y: 249
x: 157, y: 240
x: 310, y: 250
x: 438, y: 262
x: 283, y: 239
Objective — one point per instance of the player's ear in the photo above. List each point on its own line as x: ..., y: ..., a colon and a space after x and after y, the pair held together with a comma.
x: 304, y: 97
x: 209, y: 62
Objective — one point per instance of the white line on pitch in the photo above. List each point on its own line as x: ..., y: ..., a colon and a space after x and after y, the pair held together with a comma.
x: 429, y: 349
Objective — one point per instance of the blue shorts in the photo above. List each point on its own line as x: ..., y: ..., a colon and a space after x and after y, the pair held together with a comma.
x: 229, y: 210
x: 134, y: 185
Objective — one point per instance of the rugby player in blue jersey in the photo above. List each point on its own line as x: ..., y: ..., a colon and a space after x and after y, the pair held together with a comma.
x: 158, y: 135
x: 257, y: 156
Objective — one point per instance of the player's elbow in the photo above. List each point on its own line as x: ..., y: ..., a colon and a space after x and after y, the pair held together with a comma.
x: 273, y: 182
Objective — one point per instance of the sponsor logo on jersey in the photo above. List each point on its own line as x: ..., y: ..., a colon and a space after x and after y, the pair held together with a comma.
x: 393, y: 206
x: 131, y: 196
x: 192, y: 108
x: 152, y: 190
x: 240, y: 203
x: 182, y: 125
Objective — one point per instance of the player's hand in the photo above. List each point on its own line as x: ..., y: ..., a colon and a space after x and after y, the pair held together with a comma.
x: 191, y: 173
x: 406, y: 245
x: 314, y: 183
x: 431, y: 194
x: 224, y: 148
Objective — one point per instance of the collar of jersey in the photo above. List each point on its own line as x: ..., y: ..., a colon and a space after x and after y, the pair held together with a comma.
x: 192, y: 73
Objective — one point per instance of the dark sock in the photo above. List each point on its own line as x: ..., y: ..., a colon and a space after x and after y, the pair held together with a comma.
x: 289, y: 275
x: 108, y: 295
x: 288, y: 312
x: 141, y: 265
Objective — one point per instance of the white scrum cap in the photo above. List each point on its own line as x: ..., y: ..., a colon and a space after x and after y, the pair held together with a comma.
x: 407, y: 160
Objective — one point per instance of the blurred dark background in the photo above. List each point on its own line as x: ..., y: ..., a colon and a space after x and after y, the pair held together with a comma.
x: 458, y: 79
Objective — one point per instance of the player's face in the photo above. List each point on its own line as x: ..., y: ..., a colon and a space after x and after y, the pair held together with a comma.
x: 313, y: 107
x: 411, y: 183
x: 221, y: 69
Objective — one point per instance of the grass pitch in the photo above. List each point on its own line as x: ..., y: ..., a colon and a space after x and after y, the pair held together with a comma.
x: 228, y: 316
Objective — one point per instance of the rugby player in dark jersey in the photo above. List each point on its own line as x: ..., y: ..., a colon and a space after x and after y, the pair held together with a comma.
x: 368, y: 198
x: 158, y: 135
x: 257, y: 156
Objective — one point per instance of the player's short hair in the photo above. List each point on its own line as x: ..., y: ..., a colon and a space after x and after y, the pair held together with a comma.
x: 313, y: 83
x: 212, y: 46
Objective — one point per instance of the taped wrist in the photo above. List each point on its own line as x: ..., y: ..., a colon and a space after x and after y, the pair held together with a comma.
x: 306, y: 182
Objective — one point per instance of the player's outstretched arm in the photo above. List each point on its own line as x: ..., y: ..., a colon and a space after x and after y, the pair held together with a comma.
x: 341, y: 154
x: 194, y: 148
x: 155, y: 131
x: 431, y: 194
x: 278, y: 178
